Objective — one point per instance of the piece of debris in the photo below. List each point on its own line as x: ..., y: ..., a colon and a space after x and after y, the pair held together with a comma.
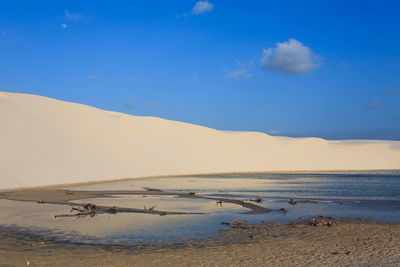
x: 40, y: 202
x: 237, y: 224
x: 83, y: 211
x: 113, y: 209
x: 323, y: 220
x: 192, y: 193
x: 69, y: 193
x: 152, y: 208
x: 292, y: 202
x: 257, y: 200
x: 219, y: 202
x: 152, y: 189
x: 283, y: 210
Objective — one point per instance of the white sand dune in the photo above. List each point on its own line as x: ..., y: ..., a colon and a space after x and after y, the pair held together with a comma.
x: 45, y: 142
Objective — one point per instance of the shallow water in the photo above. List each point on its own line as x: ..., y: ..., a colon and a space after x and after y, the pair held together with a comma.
x: 374, y: 195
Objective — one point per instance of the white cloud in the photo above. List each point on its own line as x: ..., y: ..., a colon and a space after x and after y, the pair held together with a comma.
x: 73, y: 16
x: 291, y: 57
x: 237, y: 73
x: 63, y: 25
x: 243, y: 71
x: 202, y: 7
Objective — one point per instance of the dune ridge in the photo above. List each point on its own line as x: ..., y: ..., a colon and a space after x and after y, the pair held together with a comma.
x: 45, y: 142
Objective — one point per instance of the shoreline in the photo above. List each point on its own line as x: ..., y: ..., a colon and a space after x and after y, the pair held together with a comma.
x: 60, y: 186
x: 353, y: 242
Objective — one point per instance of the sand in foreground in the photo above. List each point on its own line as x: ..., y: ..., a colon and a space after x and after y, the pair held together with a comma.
x: 350, y: 243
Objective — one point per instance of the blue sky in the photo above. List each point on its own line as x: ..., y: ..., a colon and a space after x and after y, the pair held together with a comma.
x: 329, y: 69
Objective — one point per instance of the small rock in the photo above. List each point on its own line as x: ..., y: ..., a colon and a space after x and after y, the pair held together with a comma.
x: 283, y: 210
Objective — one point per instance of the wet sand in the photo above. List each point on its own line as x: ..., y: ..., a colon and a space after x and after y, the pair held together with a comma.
x: 349, y: 243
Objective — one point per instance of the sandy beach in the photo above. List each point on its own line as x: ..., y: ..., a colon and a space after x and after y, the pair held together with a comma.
x: 349, y: 243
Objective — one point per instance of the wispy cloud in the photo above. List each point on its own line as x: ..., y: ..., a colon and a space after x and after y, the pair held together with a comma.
x: 202, y: 7
x: 178, y: 16
x: 136, y: 79
x: 242, y: 71
x: 130, y: 104
x: 374, y: 103
x: 390, y: 90
x: 64, y: 26
x: 7, y: 37
x: 273, y: 132
x: 72, y: 16
x: 193, y: 78
x: 92, y: 77
x: 153, y: 104
x: 291, y: 58
x: 344, y: 66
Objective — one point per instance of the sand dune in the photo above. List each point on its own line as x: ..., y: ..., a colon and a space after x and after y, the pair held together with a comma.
x: 45, y: 142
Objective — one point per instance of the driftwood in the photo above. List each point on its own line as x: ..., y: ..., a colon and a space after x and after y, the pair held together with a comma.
x: 294, y: 202
x: 257, y: 200
x: 92, y: 210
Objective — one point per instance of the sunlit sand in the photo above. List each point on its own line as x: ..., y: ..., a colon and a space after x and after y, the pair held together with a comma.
x: 51, y: 142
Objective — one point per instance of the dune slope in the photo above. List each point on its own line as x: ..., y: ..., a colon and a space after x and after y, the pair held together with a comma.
x: 45, y: 141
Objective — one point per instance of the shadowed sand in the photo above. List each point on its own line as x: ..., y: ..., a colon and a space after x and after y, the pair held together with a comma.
x: 350, y: 243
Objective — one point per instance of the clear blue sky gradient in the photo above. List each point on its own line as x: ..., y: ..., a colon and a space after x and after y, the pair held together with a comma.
x: 156, y: 58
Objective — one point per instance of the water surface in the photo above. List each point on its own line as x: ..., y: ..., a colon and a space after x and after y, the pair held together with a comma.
x: 374, y: 195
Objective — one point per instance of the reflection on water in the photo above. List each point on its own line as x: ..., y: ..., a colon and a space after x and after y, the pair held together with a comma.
x: 373, y: 195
